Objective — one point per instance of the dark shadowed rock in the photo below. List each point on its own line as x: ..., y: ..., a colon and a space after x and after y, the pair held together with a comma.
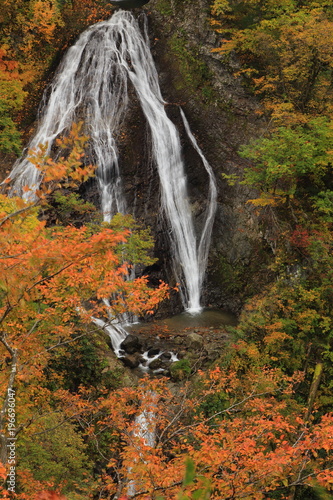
x: 132, y: 361
x: 131, y: 344
x: 156, y: 364
x: 128, y: 4
x: 153, y: 351
x: 165, y: 356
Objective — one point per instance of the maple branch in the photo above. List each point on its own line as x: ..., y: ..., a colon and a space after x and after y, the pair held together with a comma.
x: 18, y: 212
x: 10, y: 307
x: 50, y: 276
x: 158, y: 488
x: 176, y: 417
x: 204, y: 421
x: 4, y: 257
x: 50, y: 429
x: 65, y: 342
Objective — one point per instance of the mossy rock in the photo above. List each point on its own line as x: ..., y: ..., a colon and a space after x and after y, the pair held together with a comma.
x: 180, y: 370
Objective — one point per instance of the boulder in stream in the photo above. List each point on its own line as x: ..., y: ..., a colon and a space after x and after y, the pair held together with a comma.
x: 132, y: 360
x: 196, y: 341
x: 131, y: 344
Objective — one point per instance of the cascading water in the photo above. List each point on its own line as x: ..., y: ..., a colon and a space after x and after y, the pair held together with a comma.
x: 92, y: 85
x: 204, y: 242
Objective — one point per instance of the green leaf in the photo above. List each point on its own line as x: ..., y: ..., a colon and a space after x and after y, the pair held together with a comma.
x: 189, y: 472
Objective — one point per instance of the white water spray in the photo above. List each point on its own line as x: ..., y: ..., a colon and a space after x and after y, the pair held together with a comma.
x: 115, y: 330
x: 145, y: 429
x: 92, y: 85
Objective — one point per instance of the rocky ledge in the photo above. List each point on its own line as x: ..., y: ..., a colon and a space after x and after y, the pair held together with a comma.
x: 176, y: 354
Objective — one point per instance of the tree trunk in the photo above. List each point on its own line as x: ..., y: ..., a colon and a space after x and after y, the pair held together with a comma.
x: 3, y: 412
x: 314, y: 388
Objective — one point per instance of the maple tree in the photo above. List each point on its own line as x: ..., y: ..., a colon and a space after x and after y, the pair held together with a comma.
x: 48, y: 276
x: 286, y: 53
x: 33, y: 35
x: 239, y: 437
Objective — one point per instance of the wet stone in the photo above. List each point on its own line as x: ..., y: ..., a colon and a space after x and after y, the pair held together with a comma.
x: 132, y: 361
x: 155, y: 364
x: 165, y: 356
x: 153, y: 351
x: 196, y: 341
x: 131, y: 344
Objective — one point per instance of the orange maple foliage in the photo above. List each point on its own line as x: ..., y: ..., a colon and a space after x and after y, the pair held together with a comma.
x: 52, y: 281
x: 256, y: 442
x: 49, y: 495
x: 33, y: 34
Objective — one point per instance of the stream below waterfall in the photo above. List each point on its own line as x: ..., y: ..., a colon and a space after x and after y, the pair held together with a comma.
x: 208, y: 318
x: 154, y: 347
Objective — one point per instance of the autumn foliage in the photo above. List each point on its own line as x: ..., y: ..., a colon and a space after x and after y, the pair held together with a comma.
x: 53, y: 280
x: 237, y: 431
x: 286, y: 53
x: 33, y: 35
x: 257, y: 425
x: 227, y: 438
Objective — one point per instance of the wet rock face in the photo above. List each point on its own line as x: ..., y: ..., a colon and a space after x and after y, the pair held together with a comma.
x: 223, y: 115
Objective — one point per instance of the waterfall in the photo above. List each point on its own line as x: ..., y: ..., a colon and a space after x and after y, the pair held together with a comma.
x: 204, y: 242
x: 92, y: 85
x: 115, y: 330
x: 144, y: 428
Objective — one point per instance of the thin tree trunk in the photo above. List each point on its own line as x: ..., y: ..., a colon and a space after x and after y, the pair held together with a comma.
x: 314, y: 388
x: 318, y: 371
x: 9, y: 392
x: 292, y: 493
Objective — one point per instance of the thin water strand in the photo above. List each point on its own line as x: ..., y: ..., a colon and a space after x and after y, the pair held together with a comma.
x: 167, y: 154
x: 116, y: 332
x: 204, y: 243
x: 145, y: 425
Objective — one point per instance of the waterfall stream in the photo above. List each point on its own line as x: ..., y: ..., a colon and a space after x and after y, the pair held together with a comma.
x: 92, y: 84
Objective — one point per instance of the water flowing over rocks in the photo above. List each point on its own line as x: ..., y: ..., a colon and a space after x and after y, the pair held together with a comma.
x: 158, y: 350
x: 165, y: 348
